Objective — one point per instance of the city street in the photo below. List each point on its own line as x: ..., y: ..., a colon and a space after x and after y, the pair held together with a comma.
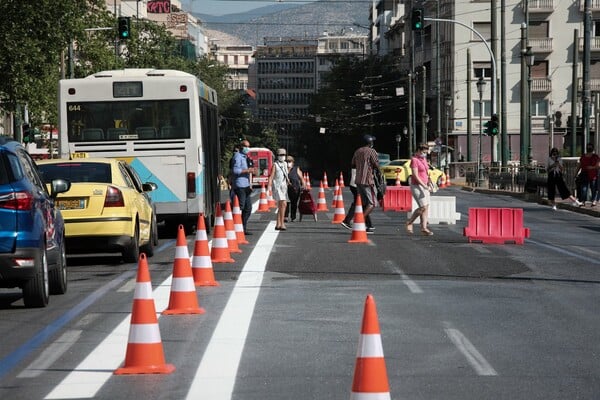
x: 458, y: 320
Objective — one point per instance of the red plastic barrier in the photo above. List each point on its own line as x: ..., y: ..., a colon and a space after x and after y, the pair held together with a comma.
x: 397, y: 198
x: 496, y: 225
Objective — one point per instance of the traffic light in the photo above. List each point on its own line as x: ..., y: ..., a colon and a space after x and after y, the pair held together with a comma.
x: 124, y: 24
x: 28, y: 134
x: 557, y: 119
x: 416, y: 19
x: 486, y: 128
x: 492, y: 126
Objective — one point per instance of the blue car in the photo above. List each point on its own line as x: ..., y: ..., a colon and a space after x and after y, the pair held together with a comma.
x: 32, y: 232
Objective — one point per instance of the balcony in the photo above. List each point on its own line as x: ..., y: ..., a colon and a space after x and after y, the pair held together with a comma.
x: 541, y: 45
x: 594, y: 84
x: 594, y: 5
x: 594, y: 43
x: 541, y: 6
x: 541, y: 85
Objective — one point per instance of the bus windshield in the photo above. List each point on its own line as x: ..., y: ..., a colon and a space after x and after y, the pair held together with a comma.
x: 128, y: 120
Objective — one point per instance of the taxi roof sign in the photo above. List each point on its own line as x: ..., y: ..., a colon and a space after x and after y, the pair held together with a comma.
x: 79, y: 155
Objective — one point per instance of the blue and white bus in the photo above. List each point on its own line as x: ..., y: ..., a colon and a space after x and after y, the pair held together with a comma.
x: 164, y: 123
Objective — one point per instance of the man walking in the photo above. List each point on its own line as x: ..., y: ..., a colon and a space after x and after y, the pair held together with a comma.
x: 365, y: 161
x: 242, y: 169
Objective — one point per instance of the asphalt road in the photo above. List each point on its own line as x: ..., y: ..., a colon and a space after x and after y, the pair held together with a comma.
x: 458, y: 320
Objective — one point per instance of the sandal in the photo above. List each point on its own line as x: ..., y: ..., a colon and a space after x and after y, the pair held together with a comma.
x: 409, y: 228
x: 426, y: 232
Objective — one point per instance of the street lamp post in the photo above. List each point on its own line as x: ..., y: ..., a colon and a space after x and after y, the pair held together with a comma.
x: 448, y: 103
x: 529, y: 59
x: 398, y: 139
x: 405, y: 133
x: 480, y: 89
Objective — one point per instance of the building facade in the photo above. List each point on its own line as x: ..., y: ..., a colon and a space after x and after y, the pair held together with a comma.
x: 455, y: 57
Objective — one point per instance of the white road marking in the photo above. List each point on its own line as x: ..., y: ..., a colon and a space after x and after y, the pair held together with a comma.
x: 216, y: 374
x: 51, y: 354
x: 412, y: 285
x: 477, y: 361
x: 98, y: 367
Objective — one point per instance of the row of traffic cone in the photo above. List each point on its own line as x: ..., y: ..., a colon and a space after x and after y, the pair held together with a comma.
x: 144, y: 354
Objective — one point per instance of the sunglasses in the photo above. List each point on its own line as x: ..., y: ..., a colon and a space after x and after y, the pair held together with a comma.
x: 282, y: 155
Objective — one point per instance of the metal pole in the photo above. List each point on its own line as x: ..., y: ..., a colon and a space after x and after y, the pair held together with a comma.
x: 505, y: 140
x: 479, y: 158
x: 529, y: 135
x: 523, y: 126
x: 575, y: 85
x: 587, y: 96
x: 424, y: 107
x: 469, y: 111
x: 410, y: 113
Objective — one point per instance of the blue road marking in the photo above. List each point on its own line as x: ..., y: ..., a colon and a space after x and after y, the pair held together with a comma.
x: 11, y: 360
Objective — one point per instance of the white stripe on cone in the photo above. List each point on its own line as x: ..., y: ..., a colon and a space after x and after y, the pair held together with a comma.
x: 144, y: 333
x: 369, y: 345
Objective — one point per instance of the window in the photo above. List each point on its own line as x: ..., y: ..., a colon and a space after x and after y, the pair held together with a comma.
x: 482, y: 69
x: 487, y: 109
x: 484, y: 29
x: 538, y: 29
x: 539, y: 107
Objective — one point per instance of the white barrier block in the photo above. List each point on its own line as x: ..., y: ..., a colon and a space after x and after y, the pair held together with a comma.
x: 442, y: 210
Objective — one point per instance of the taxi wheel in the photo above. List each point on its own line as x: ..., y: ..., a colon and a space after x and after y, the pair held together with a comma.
x: 131, y: 253
x: 148, y: 248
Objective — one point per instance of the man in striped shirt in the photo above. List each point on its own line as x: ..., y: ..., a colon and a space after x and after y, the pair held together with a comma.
x: 365, y: 161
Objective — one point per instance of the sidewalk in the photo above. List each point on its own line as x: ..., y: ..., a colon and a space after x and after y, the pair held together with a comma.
x: 533, y: 197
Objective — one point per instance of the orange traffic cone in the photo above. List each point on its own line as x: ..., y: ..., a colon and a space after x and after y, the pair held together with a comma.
x: 270, y: 200
x: 325, y: 181
x: 238, y: 225
x: 232, y: 242
x: 359, y: 229
x: 370, y: 373
x: 443, y: 182
x: 321, y: 202
x: 183, y: 299
x: 219, y: 252
x: 339, y: 213
x: 336, y: 189
x: 308, y: 181
x: 144, y: 353
x: 202, y: 268
x: 263, y: 204
x: 342, y: 180
x: 398, y: 183
x: 448, y: 180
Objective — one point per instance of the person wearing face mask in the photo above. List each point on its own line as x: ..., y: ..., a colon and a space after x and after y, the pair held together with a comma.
x: 419, y: 187
x: 294, y: 188
x: 555, y: 179
x: 366, y: 162
x: 278, y: 182
x: 588, y: 173
x: 241, y: 182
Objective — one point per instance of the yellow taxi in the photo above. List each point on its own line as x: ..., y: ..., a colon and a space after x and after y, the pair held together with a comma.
x: 402, y: 166
x: 107, y: 208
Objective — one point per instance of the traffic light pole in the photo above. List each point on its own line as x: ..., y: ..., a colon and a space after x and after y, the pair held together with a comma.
x: 492, y: 59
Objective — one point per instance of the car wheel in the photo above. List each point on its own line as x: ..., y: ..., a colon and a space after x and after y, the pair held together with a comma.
x: 35, y: 290
x: 58, y: 276
x: 148, y: 248
x: 131, y: 253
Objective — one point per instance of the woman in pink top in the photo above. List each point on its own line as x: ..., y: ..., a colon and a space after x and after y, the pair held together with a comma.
x: 419, y: 187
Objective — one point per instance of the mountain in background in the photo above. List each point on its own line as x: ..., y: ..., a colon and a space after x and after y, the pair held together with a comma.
x: 312, y: 19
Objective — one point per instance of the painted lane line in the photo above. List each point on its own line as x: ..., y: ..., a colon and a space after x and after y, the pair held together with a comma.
x: 477, y: 361
x: 412, y: 285
x: 97, y: 368
x: 52, y: 353
x: 591, y: 260
x: 11, y: 360
x: 217, y: 372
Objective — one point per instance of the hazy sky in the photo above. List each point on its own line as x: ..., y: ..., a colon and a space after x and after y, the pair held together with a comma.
x: 221, y: 7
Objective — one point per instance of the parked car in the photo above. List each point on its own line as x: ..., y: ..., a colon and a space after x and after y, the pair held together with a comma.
x: 402, y: 166
x: 32, y: 232
x: 107, y: 208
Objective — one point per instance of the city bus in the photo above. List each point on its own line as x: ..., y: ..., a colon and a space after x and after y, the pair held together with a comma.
x: 261, y: 159
x: 164, y: 123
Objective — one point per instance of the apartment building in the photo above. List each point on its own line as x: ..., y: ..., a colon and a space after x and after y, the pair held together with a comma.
x: 455, y: 58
